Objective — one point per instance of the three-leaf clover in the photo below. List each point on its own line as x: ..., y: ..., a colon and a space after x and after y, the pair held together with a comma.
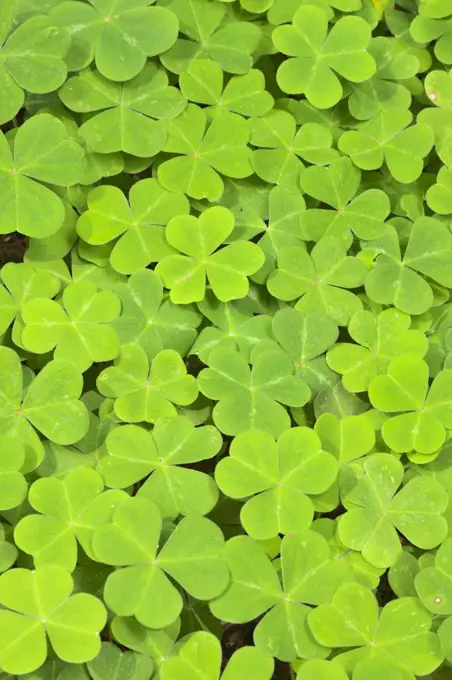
x: 251, y: 398
x: 204, y: 152
x: 51, y: 403
x: 141, y: 587
x: 424, y: 413
x: 79, y: 329
x: 207, y: 35
x: 310, y: 576
x: 390, y: 138
x: 42, y: 152
x: 277, y: 478
x: 150, y: 321
x: 128, y: 111
x: 199, y: 239
x: 119, y: 36
x: 71, y: 509
x: 233, y: 326
x: 401, y: 633
x: 31, y: 59
x: 202, y: 651
x: 202, y: 83
x: 318, y: 55
x: 134, y: 454
x: 305, y: 338
x: 384, y: 91
x: 396, y: 280
x: 144, y: 392
x: 337, y: 186
x: 320, y: 278
x: 139, y: 223
x: 377, y: 340
x: 280, y: 147
x: 38, y: 604
x: 377, y: 510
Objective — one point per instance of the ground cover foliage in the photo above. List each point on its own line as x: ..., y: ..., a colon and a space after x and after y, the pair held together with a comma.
x: 226, y: 354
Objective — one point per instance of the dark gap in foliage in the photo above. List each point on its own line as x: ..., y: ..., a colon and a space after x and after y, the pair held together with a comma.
x: 12, y: 248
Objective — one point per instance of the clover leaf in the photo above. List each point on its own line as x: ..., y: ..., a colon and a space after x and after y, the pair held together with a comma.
x: 424, y: 413
x: 364, y: 572
x: 128, y: 664
x: 233, y: 326
x: 42, y: 151
x: 203, y: 651
x: 401, y: 633
x: 318, y: 669
x: 208, y: 35
x: 347, y: 439
x: 202, y: 83
x: 37, y: 604
x: 305, y: 338
x: 337, y: 185
x: 320, y: 279
x: 436, y: 9
x: 13, y: 487
x: 134, y: 454
x: 204, y: 152
x: 144, y: 393
x: 8, y: 551
x: 377, y: 340
x: 132, y: 113
x: 316, y: 55
x: 394, y: 280
x: 433, y: 584
x: 376, y: 509
x: 141, y: 587
x: 425, y: 29
x: 439, y: 121
x: 438, y: 86
x: 22, y: 282
x: 383, y: 92
x: 79, y: 329
x: 71, y: 509
x: 280, y: 147
x: 390, y: 138
x: 118, y: 37
x: 149, y: 321
x: 285, y: 209
x: 279, y: 478
x: 139, y: 223
x: 31, y: 59
x: 198, y: 239
x: 251, y: 398
x: 159, y: 645
x: 51, y: 403
x: 439, y: 196
x: 310, y: 576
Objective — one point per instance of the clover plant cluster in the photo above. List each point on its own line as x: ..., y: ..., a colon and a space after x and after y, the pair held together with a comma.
x: 226, y: 357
